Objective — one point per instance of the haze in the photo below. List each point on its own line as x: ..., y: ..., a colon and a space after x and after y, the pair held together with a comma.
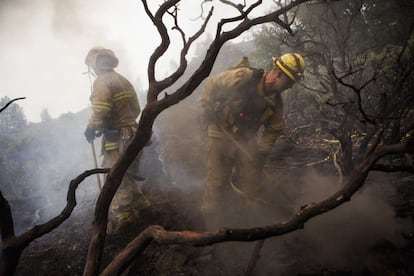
x: 44, y: 44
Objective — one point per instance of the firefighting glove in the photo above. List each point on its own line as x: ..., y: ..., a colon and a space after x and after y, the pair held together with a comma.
x: 89, y: 134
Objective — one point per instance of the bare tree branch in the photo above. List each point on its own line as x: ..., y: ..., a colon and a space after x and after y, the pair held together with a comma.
x: 238, y: 7
x: 158, y: 234
x: 14, y: 245
x: 162, y: 30
x: 400, y: 55
x: 393, y: 168
x: 161, y: 85
x: 10, y: 102
x: 154, y: 107
x: 357, y: 91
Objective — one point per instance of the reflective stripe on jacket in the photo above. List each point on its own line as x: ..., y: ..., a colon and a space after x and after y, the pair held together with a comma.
x: 115, y: 106
x: 114, y: 102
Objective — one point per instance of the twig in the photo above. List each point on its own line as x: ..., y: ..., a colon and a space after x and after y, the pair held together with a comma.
x: 10, y: 102
x: 255, y: 256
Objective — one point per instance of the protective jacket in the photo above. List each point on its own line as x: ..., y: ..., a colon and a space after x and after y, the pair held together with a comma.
x: 114, y: 106
x: 235, y: 104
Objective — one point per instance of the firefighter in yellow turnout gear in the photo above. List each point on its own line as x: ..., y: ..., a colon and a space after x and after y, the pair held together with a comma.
x: 237, y: 103
x: 115, y: 108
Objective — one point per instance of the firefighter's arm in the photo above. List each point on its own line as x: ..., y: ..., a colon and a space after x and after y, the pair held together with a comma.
x: 101, y: 100
x: 271, y: 132
x: 207, y: 101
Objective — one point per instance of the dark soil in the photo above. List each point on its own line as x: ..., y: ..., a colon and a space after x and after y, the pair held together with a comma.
x: 63, y: 251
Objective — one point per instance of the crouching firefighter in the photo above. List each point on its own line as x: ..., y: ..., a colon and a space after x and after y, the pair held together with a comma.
x: 115, y: 108
x: 243, y: 113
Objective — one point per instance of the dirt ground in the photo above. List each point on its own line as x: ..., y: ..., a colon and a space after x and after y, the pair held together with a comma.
x: 63, y: 251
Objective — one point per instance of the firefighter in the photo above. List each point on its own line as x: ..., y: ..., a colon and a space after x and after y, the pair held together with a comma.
x: 115, y: 108
x: 237, y: 104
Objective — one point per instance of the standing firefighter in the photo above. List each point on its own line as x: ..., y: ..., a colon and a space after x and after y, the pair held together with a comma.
x: 115, y: 108
x: 237, y: 103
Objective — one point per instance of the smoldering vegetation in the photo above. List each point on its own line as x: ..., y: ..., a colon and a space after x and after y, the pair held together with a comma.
x: 345, y: 239
x: 39, y: 162
x: 42, y: 160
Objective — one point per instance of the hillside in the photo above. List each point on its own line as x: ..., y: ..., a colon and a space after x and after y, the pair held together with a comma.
x: 352, y: 239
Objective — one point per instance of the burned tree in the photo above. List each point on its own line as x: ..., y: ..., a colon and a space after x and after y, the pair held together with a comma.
x: 357, y: 88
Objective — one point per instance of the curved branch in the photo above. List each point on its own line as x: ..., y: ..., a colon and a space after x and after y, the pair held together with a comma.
x: 176, y: 26
x: 205, y: 68
x: 10, y: 102
x: 183, y: 62
x: 165, y: 40
x: 238, y: 7
x: 242, y: 16
x: 393, y: 168
x: 357, y: 91
x: 405, y: 46
x: 13, y: 246
x: 153, y: 108
x: 161, y: 236
x: 40, y: 230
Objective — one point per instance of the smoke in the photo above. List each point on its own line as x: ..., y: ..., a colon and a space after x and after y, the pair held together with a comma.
x: 345, y: 235
x: 43, y: 50
x: 44, y: 44
x: 340, y: 239
x: 46, y: 157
